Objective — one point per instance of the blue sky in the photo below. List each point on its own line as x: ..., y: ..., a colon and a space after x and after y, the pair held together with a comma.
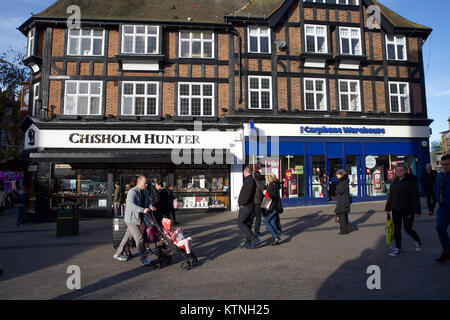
x: 432, y: 13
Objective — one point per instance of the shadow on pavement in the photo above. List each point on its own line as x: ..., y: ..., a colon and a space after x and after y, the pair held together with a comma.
x: 105, y: 283
x: 411, y: 276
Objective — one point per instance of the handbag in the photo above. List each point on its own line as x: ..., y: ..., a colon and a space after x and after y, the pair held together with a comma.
x: 266, y: 204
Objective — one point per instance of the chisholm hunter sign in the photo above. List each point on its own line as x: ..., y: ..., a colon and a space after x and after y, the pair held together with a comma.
x: 162, y: 139
x: 132, y: 139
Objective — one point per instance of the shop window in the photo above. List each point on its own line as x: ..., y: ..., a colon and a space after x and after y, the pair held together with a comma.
x: 319, y: 177
x: 352, y: 170
x: 202, y: 189
x: 293, y: 176
x: 380, y: 172
x: 88, y: 188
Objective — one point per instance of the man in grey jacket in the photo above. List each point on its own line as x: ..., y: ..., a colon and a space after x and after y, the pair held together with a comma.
x: 138, y: 201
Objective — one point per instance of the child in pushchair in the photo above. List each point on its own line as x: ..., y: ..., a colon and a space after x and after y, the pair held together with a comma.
x: 171, y: 241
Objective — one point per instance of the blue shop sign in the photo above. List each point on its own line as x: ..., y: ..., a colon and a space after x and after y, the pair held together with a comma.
x: 343, y: 130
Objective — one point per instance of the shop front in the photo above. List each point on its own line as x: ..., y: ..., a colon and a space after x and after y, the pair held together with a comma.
x: 306, y: 157
x: 83, y: 165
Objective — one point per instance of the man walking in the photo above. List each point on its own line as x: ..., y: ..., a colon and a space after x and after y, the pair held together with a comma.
x: 138, y: 201
x: 259, y: 195
x: 156, y: 200
x: 427, y: 180
x: 246, y: 207
x: 442, y: 191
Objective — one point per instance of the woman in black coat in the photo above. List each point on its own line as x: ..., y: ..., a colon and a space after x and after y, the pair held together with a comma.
x: 343, y: 202
x: 404, y: 203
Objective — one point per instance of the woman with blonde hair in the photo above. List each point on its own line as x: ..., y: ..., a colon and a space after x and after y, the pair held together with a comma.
x: 271, y: 216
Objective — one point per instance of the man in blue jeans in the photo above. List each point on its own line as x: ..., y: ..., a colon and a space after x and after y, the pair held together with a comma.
x: 442, y: 192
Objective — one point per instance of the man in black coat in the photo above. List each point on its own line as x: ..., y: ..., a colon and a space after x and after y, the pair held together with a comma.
x: 259, y: 195
x: 427, y: 180
x: 246, y: 207
x: 155, y: 198
x: 343, y: 202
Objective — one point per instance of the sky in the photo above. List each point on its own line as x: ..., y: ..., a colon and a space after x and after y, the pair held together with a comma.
x: 432, y: 13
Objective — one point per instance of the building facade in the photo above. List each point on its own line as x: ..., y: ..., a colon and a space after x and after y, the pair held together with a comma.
x: 298, y: 88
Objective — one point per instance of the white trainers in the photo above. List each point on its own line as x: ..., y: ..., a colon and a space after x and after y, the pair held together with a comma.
x: 396, y: 252
x: 120, y: 257
x: 146, y: 262
x: 418, y: 246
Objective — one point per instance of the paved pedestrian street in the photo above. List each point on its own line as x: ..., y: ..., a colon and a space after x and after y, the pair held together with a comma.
x: 313, y: 261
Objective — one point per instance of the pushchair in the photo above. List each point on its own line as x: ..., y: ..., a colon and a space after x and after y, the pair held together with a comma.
x: 164, y: 248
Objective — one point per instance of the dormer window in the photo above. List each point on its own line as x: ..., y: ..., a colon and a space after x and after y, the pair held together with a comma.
x: 344, y: 2
x: 31, y: 42
x: 258, y: 40
x: 396, y: 47
x: 86, y: 42
x: 196, y: 44
x: 140, y: 39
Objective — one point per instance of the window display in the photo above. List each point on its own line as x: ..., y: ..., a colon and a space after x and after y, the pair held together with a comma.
x: 201, y: 189
x: 89, y: 188
x: 379, y: 178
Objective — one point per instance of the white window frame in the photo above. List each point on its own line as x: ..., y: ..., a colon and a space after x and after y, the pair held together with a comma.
x: 89, y: 95
x: 349, y: 94
x: 398, y: 41
x: 191, y: 40
x: 36, y: 95
x: 80, y: 37
x: 201, y: 96
x: 146, y: 35
x: 341, y: 38
x: 316, y: 44
x: 347, y: 2
x: 260, y: 90
x: 398, y: 95
x: 259, y: 35
x: 134, y: 95
x: 315, y: 92
x: 31, y: 42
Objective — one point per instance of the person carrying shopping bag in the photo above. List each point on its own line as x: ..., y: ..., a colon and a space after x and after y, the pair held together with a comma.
x: 404, y: 203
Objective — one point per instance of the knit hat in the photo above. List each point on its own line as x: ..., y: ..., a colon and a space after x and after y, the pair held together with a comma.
x: 341, y: 172
x: 167, y: 224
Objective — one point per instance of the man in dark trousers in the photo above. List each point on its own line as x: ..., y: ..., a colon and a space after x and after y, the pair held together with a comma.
x: 259, y: 195
x: 246, y: 207
x: 155, y: 198
x: 427, y: 180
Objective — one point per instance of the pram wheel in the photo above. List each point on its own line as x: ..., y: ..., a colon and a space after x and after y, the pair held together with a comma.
x: 185, y: 266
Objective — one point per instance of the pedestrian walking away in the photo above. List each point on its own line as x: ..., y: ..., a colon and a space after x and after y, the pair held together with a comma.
x: 259, y: 195
x: 246, y: 207
x: 442, y: 191
x: 404, y: 203
x: 271, y: 216
x: 155, y: 199
x: 21, y: 199
x: 138, y: 202
x: 119, y: 199
x: 3, y: 196
x: 427, y: 180
x: 343, y: 202
x: 164, y: 203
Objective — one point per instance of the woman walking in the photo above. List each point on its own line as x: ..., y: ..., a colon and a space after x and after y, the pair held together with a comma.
x: 271, y: 217
x: 404, y: 203
x: 343, y: 202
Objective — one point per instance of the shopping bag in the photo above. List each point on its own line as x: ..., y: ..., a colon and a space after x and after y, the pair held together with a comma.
x: 389, y: 230
x: 266, y: 204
